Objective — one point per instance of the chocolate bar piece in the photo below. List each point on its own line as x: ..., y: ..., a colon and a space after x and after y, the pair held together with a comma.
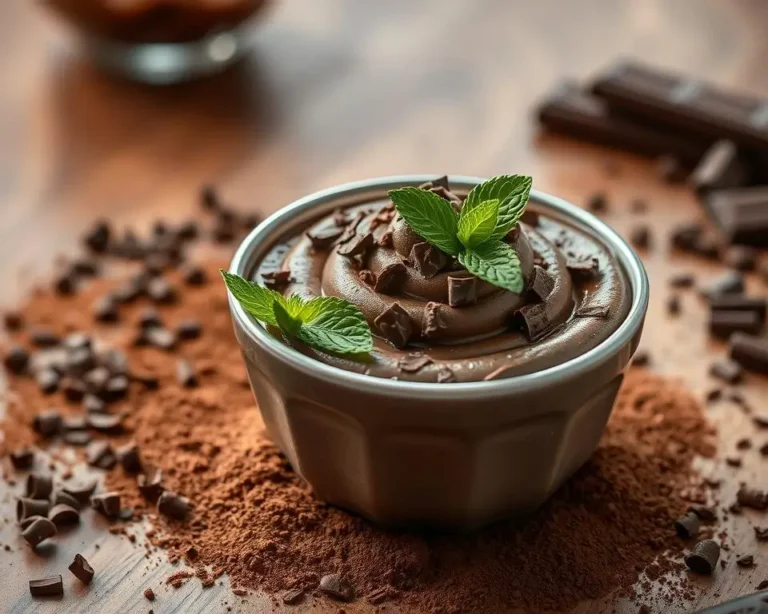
x: 749, y: 351
x: 724, y: 323
x: 571, y: 111
x: 722, y: 166
x: 685, y: 104
x: 741, y: 214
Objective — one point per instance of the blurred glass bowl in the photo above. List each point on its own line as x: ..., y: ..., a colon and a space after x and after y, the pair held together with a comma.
x: 161, y: 41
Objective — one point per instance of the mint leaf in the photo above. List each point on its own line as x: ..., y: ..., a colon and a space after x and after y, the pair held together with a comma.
x: 512, y: 191
x: 477, y: 225
x: 287, y: 322
x: 496, y: 263
x: 337, y: 326
x: 429, y: 216
x: 257, y: 300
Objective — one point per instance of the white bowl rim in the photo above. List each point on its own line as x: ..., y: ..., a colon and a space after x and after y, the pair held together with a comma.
x: 243, y: 262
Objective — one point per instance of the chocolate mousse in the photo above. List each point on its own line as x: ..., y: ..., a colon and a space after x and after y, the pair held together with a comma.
x: 432, y: 320
x: 155, y: 21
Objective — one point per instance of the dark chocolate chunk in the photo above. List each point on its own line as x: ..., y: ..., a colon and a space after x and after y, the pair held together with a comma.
x: 682, y: 280
x: 724, y: 323
x: 62, y: 498
x: 48, y: 380
x: 189, y: 329
x: 27, y: 508
x: 762, y: 585
x: 705, y: 514
x: 640, y: 237
x: 116, y: 388
x: 726, y: 370
x: 323, y: 239
x: 733, y: 461
x: 105, y: 423
x: 581, y: 265
x: 116, y: 361
x: 593, y: 311
x: 445, y: 375
x: 47, y: 423
x: 149, y: 318
x: 77, y: 438
x: 65, y: 283
x: 93, y: 404
x: 38, y: 531
x: 687, y: 526
x: 535, y: 320
x: 739, y: 302
x: 671, y: 169
x: 413, y: 363
x: 542, y: 283
x: 685, y: 236
x: 209, y: 199
x: 74, y: 423
x: 173, y: 505
x: 745, y: 560
x: 358, y: 247
x: 391, y: 278
x: 149, y: 594
x: 741, y: 214
x: 427, y: 259
x: 386, y: 239
x: 81, y: 492
x: 161, y: 291
x: 731, y: 282
x: 597, y: 203
x: 188, y: 230
x: 44, y: 338
x: 395, y: 325
x: 714, y: 395
x: 81, y: 569
x: 107, y: 503
x: 673, y: 305
x: 433, y: 319
x: 98, y: 236
x: 22, y: 458
x: 749, y: 351
x: 13, y: 321
x: 761, y: 533
x: 576, y: 113
x: 703, y: 558
x: 707, y: 246
x: 722, y: 166
x: 16, y: 360
x: 62, y: 514
x: 85, y: 267
x: 294, y: 596
x: 740, y: 258
x: 752, y: 498
x: 150, y: 483
x: 96, y: 379
x: 161, y: 338
x: 193, y: 275
x: 101, y: 455
x: 277, y: 280
x: 334, y: 585
x: 106, y: 309
x: 745, y: 443
x: 79, y: 361
x: 185, y: 374
x: 642, y: 358
x: 462, y: 291
x: 47, y: 587
x: 129, y: 457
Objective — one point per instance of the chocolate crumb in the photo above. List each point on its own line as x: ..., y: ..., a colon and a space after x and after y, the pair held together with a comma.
x: 745, y: 560
x: 149, y: 594
x: 337, y: 587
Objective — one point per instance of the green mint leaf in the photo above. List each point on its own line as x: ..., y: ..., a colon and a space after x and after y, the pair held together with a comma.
x: 495, y: 262
x: 512, y: 191
x: 319, y: 305
x: 255, y: 299
x: 287, y: 323
x: 429, y: 216
x: 477, y: 225
x: 336, y: 326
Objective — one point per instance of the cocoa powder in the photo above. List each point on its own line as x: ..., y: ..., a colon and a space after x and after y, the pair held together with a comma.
x: 253, y: 518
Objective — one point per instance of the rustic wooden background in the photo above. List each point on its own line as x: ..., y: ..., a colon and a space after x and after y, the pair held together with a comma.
x: 336, y: 91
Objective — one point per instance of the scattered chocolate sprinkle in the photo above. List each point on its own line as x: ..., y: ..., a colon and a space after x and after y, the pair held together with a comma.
x: 745, y: 560
x: 189, y: 329
x: 597, y: 203
x: 46, y: 587
x: 98, y: 236
x: 13, y: 321
x: 640, y: 236
x: 391, y: 279
x: 745, y: 443
x: 16, y: 360
x: 394, y: 324
x: 462, y: 291
x: 149, y: 594
x: 193, y: 275
x: 752, y: 498
x: 682, y: 280
x: 733, y: 461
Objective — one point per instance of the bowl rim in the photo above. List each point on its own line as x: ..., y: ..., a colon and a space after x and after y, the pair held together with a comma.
x: 243, y: 260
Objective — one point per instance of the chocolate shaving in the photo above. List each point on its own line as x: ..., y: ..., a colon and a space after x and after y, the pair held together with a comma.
x: 427, y: 259
x: 386, y: 239
x: 414, y: 363
x: 359, y: 247
x: 433, y: 319
x: 462, y: 291
x: 395, y: 325
x: 324, y: 238
x: 276, y: 280
x: 542, y: 283
x: 391, y: 279
x: 367, y: 276
x: 445, y: 375
x: 593, y: 311
x: 535, y: 320
x: 582, y: 265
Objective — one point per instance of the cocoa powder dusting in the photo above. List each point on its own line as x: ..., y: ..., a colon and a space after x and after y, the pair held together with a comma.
x: 253, y: 518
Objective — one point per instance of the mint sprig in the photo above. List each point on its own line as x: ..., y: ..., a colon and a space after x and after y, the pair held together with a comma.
x: 326, y: 323
x: 475, y: 236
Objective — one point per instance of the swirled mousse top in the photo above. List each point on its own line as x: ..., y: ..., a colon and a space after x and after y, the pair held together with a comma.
x: 431, y: 319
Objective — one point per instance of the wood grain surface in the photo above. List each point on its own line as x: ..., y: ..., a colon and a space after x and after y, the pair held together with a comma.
x: 335, y: 91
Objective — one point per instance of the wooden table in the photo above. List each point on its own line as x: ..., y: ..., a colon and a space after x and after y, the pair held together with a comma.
x: 336, y: 91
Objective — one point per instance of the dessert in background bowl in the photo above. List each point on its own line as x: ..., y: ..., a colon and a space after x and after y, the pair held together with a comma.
x: 432, y: 352
x: 161, y: 41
